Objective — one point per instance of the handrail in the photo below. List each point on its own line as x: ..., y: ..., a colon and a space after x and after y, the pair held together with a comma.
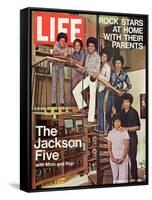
x: 39, y: 62
x: 50, y: 58
x: 78, y: 66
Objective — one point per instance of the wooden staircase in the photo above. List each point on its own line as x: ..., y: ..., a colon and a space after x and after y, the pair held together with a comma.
x: 103, y: 175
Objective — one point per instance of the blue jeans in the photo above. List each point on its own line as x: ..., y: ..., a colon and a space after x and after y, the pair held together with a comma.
x: 113, y: 100
x: 109, y: 104
x: 100, y: 101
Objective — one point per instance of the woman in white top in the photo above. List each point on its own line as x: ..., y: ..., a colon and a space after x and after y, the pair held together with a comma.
x: 118, y: 147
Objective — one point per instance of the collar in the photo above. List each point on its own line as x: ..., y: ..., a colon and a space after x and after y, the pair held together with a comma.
x: 121, y: 72
x: 93, y: 54
x: 60, y: 46
x: 130, y: 109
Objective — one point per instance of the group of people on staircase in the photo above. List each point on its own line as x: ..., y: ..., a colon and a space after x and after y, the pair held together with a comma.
x: 115, y: 114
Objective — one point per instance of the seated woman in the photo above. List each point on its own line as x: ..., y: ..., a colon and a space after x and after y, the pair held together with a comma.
x: 118, y: 147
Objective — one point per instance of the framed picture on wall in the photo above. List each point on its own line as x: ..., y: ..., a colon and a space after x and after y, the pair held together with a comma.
x: 143, y: 106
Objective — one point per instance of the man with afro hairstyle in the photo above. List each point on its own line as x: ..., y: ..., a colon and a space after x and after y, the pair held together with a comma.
x: 120, y: 80
x: 92, y: 65
x: 131, y: 123
x: 105, y: 72
x: 60, y: 50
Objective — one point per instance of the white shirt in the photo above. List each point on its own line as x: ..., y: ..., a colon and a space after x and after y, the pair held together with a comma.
x: 105, y: 73
x: 117, y: 139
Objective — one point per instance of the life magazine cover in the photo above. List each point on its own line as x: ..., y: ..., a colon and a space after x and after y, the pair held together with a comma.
x: 88, y: 99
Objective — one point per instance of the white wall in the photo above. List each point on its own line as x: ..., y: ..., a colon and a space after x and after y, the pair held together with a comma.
x: 138, y: 87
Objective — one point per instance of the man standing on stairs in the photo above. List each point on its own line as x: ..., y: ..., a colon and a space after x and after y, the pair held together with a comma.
x: 131, y: 123
x: 120, y: 80
x: 60, y: 50
x: 105, y: 72
x: 92, y: 65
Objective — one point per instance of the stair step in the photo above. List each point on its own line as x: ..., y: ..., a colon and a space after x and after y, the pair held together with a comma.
x: 103, y: 139
x: 104, y: 160
x: 104, y: 167
x: 90, y: 125
x: 107, y: 180
x: 54, y: 110
x: 102, y: 135
x: 103, y: 146
x: 104, y: 153
x: 93, y: 179
x: 108, y: 172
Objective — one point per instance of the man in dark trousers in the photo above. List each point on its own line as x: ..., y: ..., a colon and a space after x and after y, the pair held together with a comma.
x: 131, y: 123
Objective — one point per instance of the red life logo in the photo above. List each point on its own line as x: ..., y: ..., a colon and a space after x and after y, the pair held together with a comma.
x: 48, y: 25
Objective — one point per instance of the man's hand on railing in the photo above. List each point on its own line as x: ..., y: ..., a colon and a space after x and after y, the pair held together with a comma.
x: 83, y: 70
x: 72, y: 61
x: 120, y: 93
x: 94, y: 75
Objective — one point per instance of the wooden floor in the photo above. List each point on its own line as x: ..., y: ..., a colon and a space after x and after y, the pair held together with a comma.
x: 93, y: 179
x: 108, y: 178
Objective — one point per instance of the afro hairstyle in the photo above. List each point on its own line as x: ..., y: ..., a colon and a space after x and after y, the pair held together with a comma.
x: 107, y: 52
x: 62, y: 35
x: 79, y: 41
x: 118, y: 57
x: 92, y: 40
x: 127, y: 96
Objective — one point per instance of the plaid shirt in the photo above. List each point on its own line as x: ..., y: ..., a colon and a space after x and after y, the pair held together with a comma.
x: 118, y: 81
